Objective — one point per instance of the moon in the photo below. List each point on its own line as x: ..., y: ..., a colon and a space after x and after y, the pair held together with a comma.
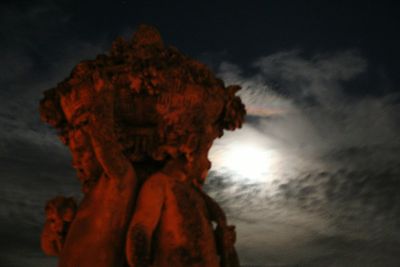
x: 246, y: 157
x: 247, y: 160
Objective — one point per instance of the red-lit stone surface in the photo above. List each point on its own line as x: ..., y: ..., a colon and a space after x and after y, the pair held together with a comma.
x: 139, y: 122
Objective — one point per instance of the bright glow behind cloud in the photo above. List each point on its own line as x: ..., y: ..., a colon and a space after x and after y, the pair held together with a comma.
x: 247, y: 156
x: 247, y: 160
x: 310, y: 171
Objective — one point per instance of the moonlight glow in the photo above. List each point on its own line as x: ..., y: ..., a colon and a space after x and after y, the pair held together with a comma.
x: 246, y: 156
x: 250, y: 157
x: 246, y: 160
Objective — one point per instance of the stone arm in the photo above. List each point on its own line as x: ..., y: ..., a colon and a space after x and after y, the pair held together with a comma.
x: 51, y: 241
x: 225, y: 234
x: 109, y: 154
x: 100, y: 128
x: 215, y: 211
x: 146, y: 217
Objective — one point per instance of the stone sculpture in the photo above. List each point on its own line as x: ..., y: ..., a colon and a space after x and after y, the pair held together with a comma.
x: 139, y: 122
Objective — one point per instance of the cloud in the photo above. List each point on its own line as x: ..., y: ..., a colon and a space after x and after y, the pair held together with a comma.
x: 37, y: 53
x: 317, y: 77
x: 257, y: 94
x: 310, y: 94
x: 334, y: 157
x: 334, y: 171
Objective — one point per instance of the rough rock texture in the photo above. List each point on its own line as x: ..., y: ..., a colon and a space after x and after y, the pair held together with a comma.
x: 139, y: 122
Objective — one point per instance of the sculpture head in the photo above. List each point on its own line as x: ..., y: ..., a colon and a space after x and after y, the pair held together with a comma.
x: 166, y: 105
x: 84, y: 160
x: 68, y: 111
x: 60, y: 211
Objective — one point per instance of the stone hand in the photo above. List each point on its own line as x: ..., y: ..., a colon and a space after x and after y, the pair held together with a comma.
x: 229, y: 236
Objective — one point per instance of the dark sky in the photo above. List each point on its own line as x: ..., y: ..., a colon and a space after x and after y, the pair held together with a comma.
x: 327, y: 191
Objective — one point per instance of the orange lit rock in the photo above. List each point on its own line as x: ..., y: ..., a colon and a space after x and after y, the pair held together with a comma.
x: 139, y: 122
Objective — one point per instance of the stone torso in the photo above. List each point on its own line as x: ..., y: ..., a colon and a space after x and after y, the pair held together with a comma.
x: 100, y: 226
x: 185, y: 233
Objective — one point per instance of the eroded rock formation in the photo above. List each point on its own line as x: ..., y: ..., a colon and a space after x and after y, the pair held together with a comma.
x: 139, y: 122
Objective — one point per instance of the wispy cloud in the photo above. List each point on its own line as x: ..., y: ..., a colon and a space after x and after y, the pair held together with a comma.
x: 332, y: 159
x: 34, y: 165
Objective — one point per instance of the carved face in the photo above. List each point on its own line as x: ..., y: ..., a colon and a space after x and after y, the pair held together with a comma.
x: 200, y: 164
x: 83, y: 156
x: 55, y: 220
x: 201, y: 168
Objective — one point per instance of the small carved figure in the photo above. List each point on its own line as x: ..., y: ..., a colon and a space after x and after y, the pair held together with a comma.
x: 60, y: 212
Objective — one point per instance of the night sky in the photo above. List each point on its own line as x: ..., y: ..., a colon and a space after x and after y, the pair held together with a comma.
x: 312, y: 179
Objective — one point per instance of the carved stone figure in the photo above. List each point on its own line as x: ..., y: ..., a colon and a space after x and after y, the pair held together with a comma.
x: 139, y: 122
x: 60, y: 212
